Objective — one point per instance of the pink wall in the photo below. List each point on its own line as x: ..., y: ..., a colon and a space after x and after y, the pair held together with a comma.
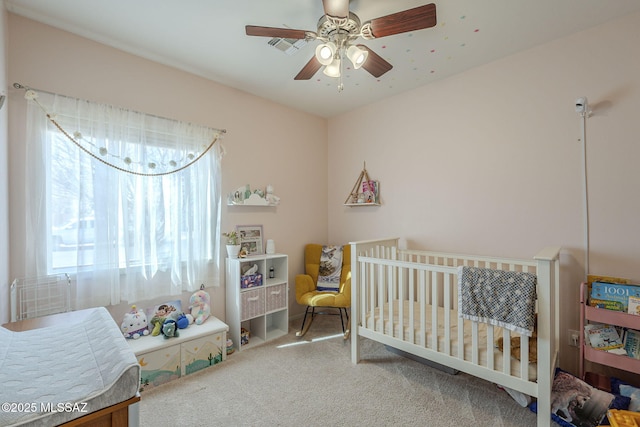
x: 483, y: 162
x: 266, y: 143
x: 487, y: 162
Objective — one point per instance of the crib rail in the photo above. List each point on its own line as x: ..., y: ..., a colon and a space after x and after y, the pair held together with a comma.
x: 408, y: 299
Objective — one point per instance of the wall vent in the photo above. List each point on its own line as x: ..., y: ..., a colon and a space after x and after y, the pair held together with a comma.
x: 288, y: 46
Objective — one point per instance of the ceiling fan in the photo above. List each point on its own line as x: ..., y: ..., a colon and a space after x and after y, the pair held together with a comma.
x: 338, y: 30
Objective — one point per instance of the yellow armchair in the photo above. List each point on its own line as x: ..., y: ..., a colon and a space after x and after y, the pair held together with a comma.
x: 308, y: 294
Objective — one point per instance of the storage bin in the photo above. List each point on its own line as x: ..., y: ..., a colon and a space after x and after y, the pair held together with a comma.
x: 276, y: 297
x: 252, y: 303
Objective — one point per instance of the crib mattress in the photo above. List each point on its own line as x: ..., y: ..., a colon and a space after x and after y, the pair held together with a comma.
x: 47, y: 371
x: 374, y: 322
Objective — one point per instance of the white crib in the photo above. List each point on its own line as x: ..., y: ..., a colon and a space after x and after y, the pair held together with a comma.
x: 408, y: 300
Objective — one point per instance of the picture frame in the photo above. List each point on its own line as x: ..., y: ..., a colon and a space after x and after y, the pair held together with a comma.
x: 251, y: 238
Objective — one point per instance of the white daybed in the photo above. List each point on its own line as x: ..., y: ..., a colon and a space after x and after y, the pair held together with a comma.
x: 79, y: 370
x: 408, y: 300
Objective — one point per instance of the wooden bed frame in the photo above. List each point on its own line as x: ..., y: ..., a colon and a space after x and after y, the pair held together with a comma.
x: 121, y: 414
x: 117, y: 415
x: 383, y: 276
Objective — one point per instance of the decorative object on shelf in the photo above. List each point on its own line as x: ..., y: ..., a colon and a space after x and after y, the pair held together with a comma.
x: 145, y: 161
x: 233, y: 244
x: 258, y: 197
x: 365, y: 191
x: 244, y: 336
x: 250, y: 238
x: 251, y: 270
x: 271, y: 246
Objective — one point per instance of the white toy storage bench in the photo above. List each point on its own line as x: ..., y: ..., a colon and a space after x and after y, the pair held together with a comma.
x: 165, y: 359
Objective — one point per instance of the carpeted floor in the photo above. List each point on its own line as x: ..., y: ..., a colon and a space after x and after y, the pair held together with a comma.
x: 311, y: 381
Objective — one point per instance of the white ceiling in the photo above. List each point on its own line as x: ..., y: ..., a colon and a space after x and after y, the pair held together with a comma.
x: 207, y: 38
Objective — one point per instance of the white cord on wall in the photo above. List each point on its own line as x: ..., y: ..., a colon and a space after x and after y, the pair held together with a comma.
x: 582, y: 108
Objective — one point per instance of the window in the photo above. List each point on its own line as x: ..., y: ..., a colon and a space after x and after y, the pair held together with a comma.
x: 124, y: 236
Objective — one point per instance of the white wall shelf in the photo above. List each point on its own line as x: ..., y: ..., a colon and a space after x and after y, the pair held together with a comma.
x: 365, y: 192
x: 244, y: 196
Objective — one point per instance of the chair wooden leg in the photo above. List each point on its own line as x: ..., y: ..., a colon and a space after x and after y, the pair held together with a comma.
x: 305, y: 326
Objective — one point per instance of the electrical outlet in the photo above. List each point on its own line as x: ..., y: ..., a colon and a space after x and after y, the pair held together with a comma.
x: 574, y: 338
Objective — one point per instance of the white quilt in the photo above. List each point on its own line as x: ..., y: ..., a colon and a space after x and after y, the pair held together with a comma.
x: 79, y: 363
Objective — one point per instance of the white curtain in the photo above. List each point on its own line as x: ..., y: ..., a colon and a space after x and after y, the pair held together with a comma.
x: 123, y: 236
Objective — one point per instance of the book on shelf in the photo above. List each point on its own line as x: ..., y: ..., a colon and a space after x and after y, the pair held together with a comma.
x: 602, y: 337
x: 634, y: 305
x: 609, y: 279
x: 614, y: 292
x: 631, y: 343
x: 603, y: 303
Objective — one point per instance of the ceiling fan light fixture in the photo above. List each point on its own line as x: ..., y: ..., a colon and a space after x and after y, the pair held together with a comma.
x: 333, y: 69
x: 325, y: 52
x: 357, y: 56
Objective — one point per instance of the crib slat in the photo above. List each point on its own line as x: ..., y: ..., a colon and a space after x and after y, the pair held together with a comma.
x: 474, y: 343
x: 490, y: 341
x: 447, y: 314
x: 460, y: 338
x: 412, y: 330
x: 401, y: 299
x: 506, y: 352
x: 422, y: 298
x: 434, y: 311
x: 524, y: 357
x: 390, y: 298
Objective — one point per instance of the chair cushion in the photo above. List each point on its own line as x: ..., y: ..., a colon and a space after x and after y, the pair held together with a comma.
x: 325, y: 299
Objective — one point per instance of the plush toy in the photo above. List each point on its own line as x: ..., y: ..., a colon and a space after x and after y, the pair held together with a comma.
x: 170, y: 328
x: 199, y: 306
x: 515, y: 346
x: 156, y: 325
x: 134, y: 324
x: 180, y: 318
x: 162, y: 312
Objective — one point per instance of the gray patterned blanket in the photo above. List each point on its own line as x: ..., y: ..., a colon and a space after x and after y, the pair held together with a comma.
x: 498, y: 297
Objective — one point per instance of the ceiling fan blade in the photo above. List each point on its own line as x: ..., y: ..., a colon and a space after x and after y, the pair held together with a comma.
x: 285, y: 33
x: 336, y: 8
x: 309, y: 69
x: 375, y: 64
x: 401, y: 22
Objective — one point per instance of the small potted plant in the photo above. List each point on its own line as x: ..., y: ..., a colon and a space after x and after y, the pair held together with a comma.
x: 233, y: 244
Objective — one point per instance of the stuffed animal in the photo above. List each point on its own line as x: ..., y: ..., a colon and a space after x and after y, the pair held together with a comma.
x: 180, y: 318
x: 515, y: 345
x: 134, y: 324
x: 515, y: 348
x: 162, y: 312
x: 199, y: 306
x: 243, y: 252
x: 170, y: 328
